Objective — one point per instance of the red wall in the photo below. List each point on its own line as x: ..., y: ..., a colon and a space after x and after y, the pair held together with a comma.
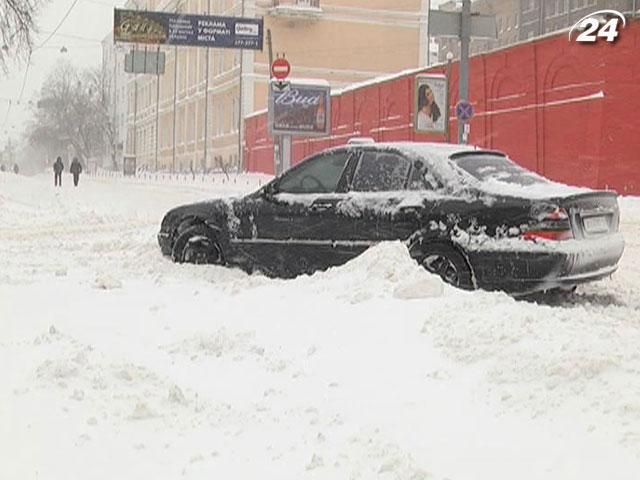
x: 566, y: 110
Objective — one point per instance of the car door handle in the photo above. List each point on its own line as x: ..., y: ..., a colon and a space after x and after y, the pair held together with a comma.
x: 321, y: 206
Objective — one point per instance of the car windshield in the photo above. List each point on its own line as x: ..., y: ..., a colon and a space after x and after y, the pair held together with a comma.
x: 491, y: 167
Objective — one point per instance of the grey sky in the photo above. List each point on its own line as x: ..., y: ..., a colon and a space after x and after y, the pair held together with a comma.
x: 91, y: 20
x: 81, y: 33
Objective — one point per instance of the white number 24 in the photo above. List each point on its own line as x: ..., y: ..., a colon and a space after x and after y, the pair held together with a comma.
x: 608, y: 31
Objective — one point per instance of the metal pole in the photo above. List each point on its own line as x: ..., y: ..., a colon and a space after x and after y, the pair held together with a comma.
x: 157, y: 101
x: 115, y: 106
x: 276, y: 138
x: 206, y: 100
x: 240, y: 103
x: 465, y: 38
x: 135, y: 112
x: 175, y: 97
x: 448, y: 96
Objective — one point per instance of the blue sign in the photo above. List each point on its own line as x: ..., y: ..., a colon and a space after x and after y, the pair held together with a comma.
x: 160, y: 28
x: 464, y: 111
x: 301, y: 110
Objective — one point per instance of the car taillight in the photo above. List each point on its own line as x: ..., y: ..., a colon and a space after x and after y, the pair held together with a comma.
x: 551, y: 223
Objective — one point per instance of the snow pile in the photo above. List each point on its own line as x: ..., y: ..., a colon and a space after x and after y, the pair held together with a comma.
x: 373, y: 369
x: 383, y: 271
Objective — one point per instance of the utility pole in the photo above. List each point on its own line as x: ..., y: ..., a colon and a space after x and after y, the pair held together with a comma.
x: 115, y: 105
x: 206, y: 100
x: 240, y: 104
x: 465, y: 39
x: 157, y: 102
x: 175, y: 98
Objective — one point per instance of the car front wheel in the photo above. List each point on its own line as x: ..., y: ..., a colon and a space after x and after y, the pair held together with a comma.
x: 197, y: 244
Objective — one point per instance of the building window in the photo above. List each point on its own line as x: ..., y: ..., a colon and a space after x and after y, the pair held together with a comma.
x: 561, y: 6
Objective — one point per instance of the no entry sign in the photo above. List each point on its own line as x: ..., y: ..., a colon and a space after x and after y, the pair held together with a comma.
x: 280, y: 68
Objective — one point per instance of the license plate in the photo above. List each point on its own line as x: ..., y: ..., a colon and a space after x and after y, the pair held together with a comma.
x: 595, y: 224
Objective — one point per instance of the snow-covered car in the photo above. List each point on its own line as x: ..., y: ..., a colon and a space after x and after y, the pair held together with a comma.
x: 472, y: 216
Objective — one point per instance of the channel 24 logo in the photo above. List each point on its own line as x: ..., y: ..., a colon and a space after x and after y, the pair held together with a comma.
x: 603, y: 24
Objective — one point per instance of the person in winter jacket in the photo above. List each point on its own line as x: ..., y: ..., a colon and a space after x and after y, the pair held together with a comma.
x: 58, y: 167
x: 16, y: 169
x: 75, y: 169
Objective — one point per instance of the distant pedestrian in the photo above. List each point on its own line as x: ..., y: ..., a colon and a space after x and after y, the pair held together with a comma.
x: 2, y: 168
x: 76, y: 170
x: 58, y: 167
x: 15, y: 168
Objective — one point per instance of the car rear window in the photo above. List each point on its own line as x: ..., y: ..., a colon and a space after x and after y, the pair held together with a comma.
x: 486, y: 167
x: 380, y: 172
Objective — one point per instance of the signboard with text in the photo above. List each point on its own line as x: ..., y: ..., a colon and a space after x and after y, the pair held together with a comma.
x: 300, y: 110
x: 161, y: 28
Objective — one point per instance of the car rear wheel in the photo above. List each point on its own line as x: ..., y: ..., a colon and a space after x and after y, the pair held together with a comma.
x: 197, y: 244
x: 448, y: 264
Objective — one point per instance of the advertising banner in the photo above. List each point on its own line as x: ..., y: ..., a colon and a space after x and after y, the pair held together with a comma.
x: 431, y: 105
x: 300, y: 110
x: 161, y: 28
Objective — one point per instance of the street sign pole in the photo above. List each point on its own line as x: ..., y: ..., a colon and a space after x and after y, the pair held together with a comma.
x: 465, y: 38
x: 285, y: 154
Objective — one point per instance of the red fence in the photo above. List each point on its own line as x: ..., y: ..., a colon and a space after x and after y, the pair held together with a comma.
x: 566, y: 110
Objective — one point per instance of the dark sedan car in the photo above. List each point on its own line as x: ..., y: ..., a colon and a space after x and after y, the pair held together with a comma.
x: 472, y: 216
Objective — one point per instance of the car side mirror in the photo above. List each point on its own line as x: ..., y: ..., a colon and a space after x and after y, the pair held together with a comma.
x: 269, y: 191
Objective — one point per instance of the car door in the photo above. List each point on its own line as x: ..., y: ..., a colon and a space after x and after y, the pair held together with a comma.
x: 379, y: 191
x: 290, y: 227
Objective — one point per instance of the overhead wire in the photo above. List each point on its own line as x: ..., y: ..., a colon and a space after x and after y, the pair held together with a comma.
x: 26, y: 71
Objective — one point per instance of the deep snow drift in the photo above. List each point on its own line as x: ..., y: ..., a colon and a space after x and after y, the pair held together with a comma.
x: 119, y: 364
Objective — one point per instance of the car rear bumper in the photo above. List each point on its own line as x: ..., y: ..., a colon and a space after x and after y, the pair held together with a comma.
x: 520, y: 266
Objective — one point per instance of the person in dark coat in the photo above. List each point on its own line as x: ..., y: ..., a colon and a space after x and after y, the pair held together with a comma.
x: 15, y: 168
x: 58, y: 167
x: 75, y: 169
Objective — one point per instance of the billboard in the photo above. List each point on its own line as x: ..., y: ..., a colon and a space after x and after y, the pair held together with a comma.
x: 161, y: 28
x: 301, y: 110
x: 431, y: 104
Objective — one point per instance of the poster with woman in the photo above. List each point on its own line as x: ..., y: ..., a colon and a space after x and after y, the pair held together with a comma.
x: 431, y: 104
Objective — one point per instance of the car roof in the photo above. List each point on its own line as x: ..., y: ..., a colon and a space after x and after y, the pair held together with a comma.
x: 423, y: 149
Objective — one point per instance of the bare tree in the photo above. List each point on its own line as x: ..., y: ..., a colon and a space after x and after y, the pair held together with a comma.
x: 17, y: 26
x: 72, y: 109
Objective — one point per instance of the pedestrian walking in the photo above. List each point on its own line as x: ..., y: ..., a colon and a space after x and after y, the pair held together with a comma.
x: 58, y: 167
x: 15, y: 168
x: 76, y: 170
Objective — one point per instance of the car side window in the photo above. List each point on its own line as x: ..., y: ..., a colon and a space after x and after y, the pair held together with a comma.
x: 380, y: 172
x: 421, y: 178
x: 316, y: 175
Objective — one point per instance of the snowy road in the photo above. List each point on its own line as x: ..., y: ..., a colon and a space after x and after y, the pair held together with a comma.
x: 118, y: 364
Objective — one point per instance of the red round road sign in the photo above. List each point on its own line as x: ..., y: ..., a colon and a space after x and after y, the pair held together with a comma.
x: 280, y: 68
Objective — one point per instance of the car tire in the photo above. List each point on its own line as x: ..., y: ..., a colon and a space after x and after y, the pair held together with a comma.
x: 197, y: 244
x: 449, y: 264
